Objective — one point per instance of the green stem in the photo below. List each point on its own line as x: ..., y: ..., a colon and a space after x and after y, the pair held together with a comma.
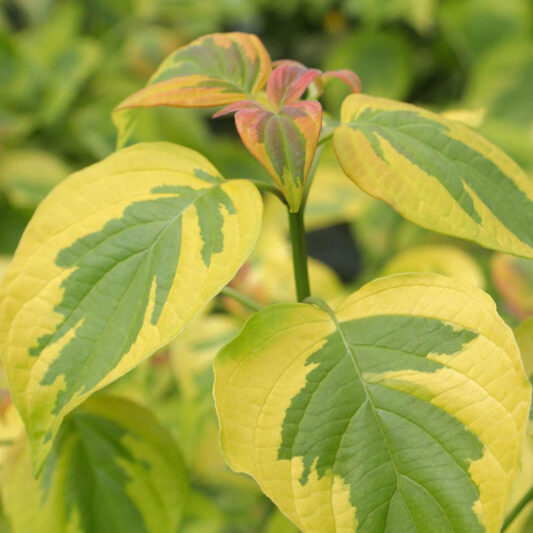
x: 299, y: 254
x: 248, y: 302
x: 528, y: 496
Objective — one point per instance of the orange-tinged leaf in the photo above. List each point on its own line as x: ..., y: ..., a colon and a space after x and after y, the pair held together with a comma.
x: 214, y: 70
x: 284, y: 143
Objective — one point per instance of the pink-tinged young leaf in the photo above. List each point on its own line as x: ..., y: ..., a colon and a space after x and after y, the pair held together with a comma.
x: 347, y: 76
x: 211, y: 71
x: 284, y: 142
x: 316, y: 87
x: 243, y: 105
x: 288, y: 82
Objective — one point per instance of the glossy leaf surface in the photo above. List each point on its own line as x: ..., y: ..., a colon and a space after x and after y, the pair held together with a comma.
x: 113, y: 469
x: 402, y: 411
x: 436, y: 173
x: 114, y: 263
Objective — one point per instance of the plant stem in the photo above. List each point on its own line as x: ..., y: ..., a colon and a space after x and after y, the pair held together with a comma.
x: 248, y: 302
x: 299, y: 254
x: 528, y: 496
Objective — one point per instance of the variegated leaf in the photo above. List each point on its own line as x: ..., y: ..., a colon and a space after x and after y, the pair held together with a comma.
x: 437, y: 173
x: 113, y: 469
x: 211, y: 71
x: 113, y: 264
x: 283, y: 141
x: 402, y: 411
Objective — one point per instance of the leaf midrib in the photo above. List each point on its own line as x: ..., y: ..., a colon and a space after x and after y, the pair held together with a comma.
x: 379, y: 424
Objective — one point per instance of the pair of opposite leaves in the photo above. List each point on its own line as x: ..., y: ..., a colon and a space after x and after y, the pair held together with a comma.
x: 405, y: 412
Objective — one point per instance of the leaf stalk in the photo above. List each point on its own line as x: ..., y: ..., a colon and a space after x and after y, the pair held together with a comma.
x: 242, y: 298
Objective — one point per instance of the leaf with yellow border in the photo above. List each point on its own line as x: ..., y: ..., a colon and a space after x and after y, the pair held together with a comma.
x: 113, y: 469
x: 436, y: 172
x: 116, y: 260
x: 392, y: 413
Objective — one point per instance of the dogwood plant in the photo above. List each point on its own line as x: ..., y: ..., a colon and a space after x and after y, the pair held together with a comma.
x: 401, y: 409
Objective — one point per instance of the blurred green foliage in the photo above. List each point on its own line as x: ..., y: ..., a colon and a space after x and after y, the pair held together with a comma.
x: 65, y: 64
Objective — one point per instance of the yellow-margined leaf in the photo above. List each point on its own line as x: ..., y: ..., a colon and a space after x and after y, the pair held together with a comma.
x: 404, y: 410
x: 436, y: 172
x: 113, y: 469
x: 114, y: 263
x: 440, y: 259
